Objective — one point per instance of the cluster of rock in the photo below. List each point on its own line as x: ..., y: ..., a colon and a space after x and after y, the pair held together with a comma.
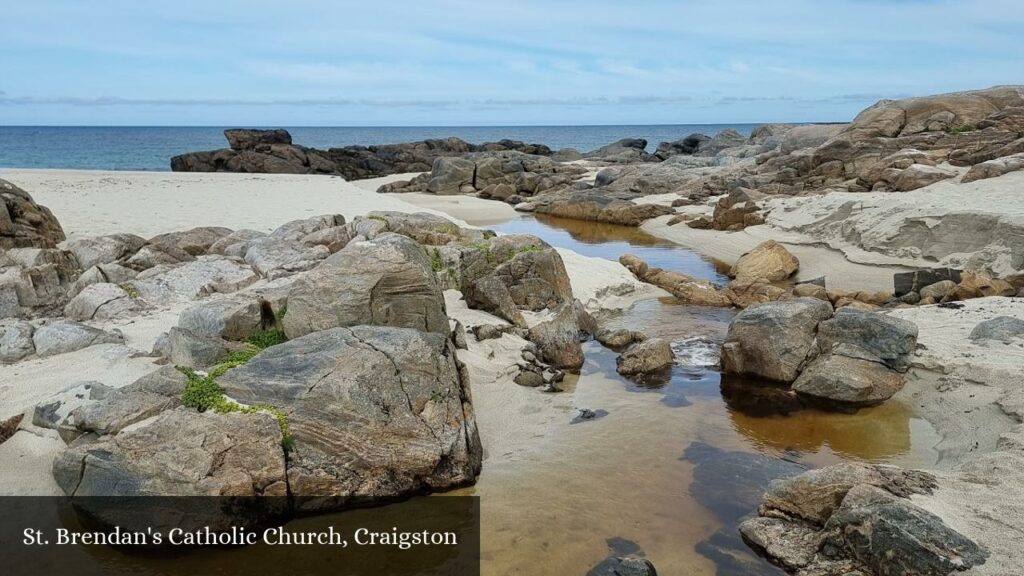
x: 857, y: 519
x: 846, y: 357
x: 272, y: 151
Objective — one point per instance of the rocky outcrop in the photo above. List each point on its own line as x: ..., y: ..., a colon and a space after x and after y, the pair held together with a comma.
x: 25, y: 224
x: 597, y: 206
x: 994, y: 168
x: 627, y: 150
x: 387, y: 281
x: 272, y: 151
x: 852, y: 358
x: 35, y: 281
x: 689, y: 290
x: 857, y: 518
x: 375, y: 412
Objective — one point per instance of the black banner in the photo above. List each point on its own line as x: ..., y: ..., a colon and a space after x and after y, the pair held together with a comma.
x: 190, y: 536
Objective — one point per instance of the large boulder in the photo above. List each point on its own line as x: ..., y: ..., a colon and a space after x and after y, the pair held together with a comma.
x: 869, y: 336
x: 180, y: 453
x: 387, y: 281
x: 769, y: 261
x: 25, y: 224
x: 1002, y: 328
x: 846, y: 380
x: 196, y: 241
x: 450, y: 175
x: 276, y: 257
x: 240, y: 315
x: 375, y: 412
x: 206, y: 275
x: 63, y: 336
x: 890, y: 535
x: 774, y: 340
x: 994, y: 168
x: 113, y: 411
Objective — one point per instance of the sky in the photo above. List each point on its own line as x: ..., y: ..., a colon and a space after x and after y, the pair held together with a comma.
x: 526, y: 62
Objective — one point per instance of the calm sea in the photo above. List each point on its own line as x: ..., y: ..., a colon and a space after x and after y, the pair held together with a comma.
x: 151, y: 147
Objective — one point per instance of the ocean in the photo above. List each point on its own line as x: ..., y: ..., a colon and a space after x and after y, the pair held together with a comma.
x: 151, y: 147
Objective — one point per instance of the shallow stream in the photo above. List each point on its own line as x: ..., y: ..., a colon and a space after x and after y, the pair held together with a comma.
x: 671, y: 464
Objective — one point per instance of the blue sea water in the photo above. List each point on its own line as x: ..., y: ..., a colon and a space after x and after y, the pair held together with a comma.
x: 151, y: 147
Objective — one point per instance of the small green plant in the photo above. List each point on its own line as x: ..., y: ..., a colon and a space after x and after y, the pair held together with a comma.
x: 962, y: 129
x: 204, y: 393
x: 436, y: 261
x: 130, y: 290
x: 378, y: 217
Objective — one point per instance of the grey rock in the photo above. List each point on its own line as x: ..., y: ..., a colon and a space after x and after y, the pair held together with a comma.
x: 102, y: 273
x: 376, y: 412
x: 1003, y: 328
x: 51, y: 412
x: 185, y: 348
x: 387, y: 281
x: 153, y: 255
x: 298, y: 229
x: 904, y: 282
x: 869, y: 336
x: 206, y: 275
x: 164, y: 381
x: 650, y: 355
x: 102, y: 302
x: 180, y: 453
x: 247, y: 139
x: 792, y: 545
x: 890, y: 535
x: 63, y: 336
x: 623, y: 566
x: 237, y: 316
x: 774, y: 340
x: 618, y: 339
x: 16, y: 342
x: 847, y: 380
x: 234, y: 244
x: 196, y: 241
x: 104, y: 249
x: 274, y: 256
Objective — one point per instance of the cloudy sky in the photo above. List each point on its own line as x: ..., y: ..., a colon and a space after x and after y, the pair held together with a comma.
x: 452, y: 62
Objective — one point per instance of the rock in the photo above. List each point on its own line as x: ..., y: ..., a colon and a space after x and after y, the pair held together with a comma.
x: 769, y: 261
x: 938, y: 290
x: 920, y: 175
x: 102, y: 274
x: 491, y: 331
x: 35, y: 281
x: 387, y: 281
x: 1003, y: 328
x: 449, y: 175
x: 153, y: 255
x: 334, y: 239
x: 238, y: 316
x: 773, y: 340
x: 185, y: 348
x: 727, y: 138
x: 904, y: 282
x: 458, y: 335
x: 114, y: 411
x: 620, y: 338
x: 195, y: 242
x: 598, y: 206
x: 810, y: 136
x: 276, y: 257
x: 746, y: 293
x: 242, y: 139
x: 869, y: 336
x: 623, y: 151
x: 846, y: 380
x: 810, y: 291
x: 51, y: 412
x: 994, y: 168
x: 376, y: 412
x: 737, y: 210
x: 529, y: 376
x: 234, y: 244
x: 298, y: 229
x: 558, y: 339
x: 650, y: 355
x: 164, y: 381
x: 623, y: 566
x: 513, y: 273
x: 689, y: 145
x: 689, y: 290
x: 16, y: 342
x: 979, y: 285
x: 891, y: 535
x: 63, y: 336
x: 206, y: 275
x: 792, y: 545
x: 102, y: 302
x: 180, y: 453
x: 25, y: 224
x: 816, y: 494
x: 104, y: 249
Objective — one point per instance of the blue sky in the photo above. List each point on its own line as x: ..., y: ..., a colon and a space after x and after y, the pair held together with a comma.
x: 439, y: 62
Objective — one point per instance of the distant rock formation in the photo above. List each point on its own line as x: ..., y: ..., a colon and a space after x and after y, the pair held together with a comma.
x: 272, y: 151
